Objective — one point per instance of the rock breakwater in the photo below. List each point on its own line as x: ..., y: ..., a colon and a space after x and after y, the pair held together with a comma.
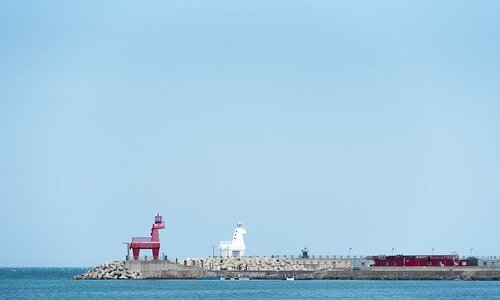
x: 245, y: 264
x: 110, y: 270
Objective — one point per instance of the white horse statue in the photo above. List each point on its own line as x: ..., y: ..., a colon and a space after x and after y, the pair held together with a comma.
x: 236, y: 247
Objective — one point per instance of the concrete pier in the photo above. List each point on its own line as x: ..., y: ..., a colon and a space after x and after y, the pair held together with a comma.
x: 169, y: 270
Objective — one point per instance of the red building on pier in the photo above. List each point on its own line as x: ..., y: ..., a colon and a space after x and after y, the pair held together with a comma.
x: 419, y: 261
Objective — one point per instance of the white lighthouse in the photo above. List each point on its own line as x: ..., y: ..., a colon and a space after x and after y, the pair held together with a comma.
x: 236, y: 247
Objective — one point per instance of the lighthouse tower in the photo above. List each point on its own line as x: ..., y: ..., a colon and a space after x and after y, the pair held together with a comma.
x: 236, y: 247
x: 151, y: 242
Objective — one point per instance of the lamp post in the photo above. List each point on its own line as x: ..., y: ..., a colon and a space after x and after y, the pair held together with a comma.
x: 432, y: 251
x: 349, y: 252
x: 213, y: 250
x: 392, y: 251
x: 470, y: 252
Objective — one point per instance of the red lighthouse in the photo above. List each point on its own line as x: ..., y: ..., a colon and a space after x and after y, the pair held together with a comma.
x: 152, y: 242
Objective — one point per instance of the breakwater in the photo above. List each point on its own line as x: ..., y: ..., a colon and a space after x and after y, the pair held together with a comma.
x: 278, y: 268
x: 275, y: 263
x: 251, y: 264
x: 110, y: 270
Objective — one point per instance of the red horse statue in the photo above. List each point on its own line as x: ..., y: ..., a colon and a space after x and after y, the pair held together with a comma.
x: 152, y: 242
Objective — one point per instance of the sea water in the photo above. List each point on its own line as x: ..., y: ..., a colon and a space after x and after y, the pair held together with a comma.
x: 57, y: 283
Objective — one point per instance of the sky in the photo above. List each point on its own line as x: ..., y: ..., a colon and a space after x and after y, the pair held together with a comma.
x: 330, y: 125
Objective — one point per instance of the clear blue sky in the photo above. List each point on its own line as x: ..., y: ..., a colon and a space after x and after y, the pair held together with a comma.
x: 326, y: 124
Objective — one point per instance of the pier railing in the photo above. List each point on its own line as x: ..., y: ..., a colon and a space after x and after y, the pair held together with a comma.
x: 315, y: 257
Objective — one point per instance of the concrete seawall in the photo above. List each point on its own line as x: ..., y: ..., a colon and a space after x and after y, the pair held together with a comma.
x: 169, y: 270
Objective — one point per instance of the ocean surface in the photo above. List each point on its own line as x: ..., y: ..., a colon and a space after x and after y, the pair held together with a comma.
x: 56, y: 283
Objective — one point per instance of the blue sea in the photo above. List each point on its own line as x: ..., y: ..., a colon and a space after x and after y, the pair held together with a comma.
x: 56, y: 283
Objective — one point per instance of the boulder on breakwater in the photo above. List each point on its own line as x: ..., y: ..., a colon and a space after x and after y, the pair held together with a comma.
x: 110, y: 270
